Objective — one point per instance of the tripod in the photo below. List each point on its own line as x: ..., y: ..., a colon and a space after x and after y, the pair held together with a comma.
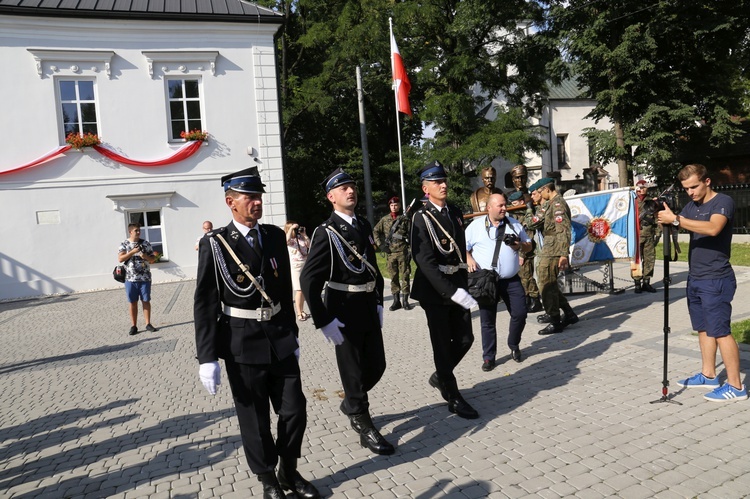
x: 667, y: 232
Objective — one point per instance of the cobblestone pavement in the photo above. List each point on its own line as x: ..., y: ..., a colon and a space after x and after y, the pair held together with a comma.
x: 88, y: 411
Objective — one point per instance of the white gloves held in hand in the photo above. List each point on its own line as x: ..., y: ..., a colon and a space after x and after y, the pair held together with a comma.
x: 210, y: 374
x: 332, y: 332
x: 463, y: 298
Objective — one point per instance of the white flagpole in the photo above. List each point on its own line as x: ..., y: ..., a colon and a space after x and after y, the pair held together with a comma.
x: 404, y: 201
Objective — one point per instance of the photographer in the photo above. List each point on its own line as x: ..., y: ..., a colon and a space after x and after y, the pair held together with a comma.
x: 711, y: 282
x: 136, y: 254
x: 298, y: 245
x: 647, y: 241
x: 494, y: 244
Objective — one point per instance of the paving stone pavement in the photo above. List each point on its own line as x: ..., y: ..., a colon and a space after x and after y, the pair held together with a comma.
x: 88, y: 411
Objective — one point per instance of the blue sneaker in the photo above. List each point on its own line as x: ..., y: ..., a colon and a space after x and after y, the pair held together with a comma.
x: 699, y: 381
x: 726, y: 393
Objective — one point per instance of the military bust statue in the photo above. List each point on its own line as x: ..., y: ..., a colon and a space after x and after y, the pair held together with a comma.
x: 480, y: 196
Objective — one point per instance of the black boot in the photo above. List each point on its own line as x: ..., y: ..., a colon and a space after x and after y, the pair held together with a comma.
x: 543, y: 319
x: 271, y: 487
x: 569, y: 316
x: 638, y: 288
x: 535, y: 305
x: 407, y: 305
x: 290, y: 479
x: 648, y: 287
x: 396, y: 302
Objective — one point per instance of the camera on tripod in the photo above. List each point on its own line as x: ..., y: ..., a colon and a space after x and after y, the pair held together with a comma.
x: 510, y: 239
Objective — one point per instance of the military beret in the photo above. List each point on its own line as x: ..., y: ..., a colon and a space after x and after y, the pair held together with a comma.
x: 247, y: 181
x: 515, y: 196
x: 641, y: 182
x: 394, y: 199
x: 541, y: 183
x: 336, y: 178
x: 433, y: 171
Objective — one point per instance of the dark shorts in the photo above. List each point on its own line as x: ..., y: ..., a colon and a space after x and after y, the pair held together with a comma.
x: 710, y: 305
x: 139, y: 289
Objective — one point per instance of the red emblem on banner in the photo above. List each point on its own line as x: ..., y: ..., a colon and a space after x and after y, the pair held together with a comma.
x: 598, y: 229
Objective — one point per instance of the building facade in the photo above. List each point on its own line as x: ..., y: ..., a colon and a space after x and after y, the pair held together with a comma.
x: 137, y: 79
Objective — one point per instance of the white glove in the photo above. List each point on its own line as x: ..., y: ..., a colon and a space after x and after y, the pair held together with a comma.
x: 332, y: 332
x: 463, y: 298
x: 210, y: 374
x: 380, y: 315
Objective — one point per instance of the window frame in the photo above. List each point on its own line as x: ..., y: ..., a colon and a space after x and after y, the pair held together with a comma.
x: 59, y: 101
x: 184, y: 100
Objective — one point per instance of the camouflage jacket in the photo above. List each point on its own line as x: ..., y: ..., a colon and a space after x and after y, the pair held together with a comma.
x: 399, y: 241
x: 556, y: 229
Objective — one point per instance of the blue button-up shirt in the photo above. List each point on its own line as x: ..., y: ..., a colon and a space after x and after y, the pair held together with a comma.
x: 480, y: 241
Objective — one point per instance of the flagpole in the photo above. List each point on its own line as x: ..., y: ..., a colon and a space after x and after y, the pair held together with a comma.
x: 398, y: 120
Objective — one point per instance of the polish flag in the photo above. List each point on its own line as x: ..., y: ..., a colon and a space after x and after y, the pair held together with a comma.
x: 400, y: 79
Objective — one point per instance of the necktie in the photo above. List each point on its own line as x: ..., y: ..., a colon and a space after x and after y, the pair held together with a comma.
x: 355, y: 224
x: 252, y: 238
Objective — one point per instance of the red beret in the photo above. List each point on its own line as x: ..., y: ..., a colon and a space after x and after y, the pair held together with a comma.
x: 394, y: 199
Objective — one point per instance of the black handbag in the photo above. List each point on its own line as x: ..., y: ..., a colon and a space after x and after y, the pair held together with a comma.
x: 119, y: 273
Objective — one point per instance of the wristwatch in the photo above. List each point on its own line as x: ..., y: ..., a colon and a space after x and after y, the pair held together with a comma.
x: 676, y: 221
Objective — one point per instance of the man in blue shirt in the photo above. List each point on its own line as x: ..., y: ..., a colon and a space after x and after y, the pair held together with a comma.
x: 485, y: 245
x: 711, y: 281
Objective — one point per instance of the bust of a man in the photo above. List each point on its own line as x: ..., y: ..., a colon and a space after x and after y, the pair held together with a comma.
x: 520, y: 177
x: 480, y: 196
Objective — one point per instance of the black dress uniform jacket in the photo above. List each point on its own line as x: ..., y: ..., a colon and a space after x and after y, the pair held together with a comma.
x: 245, y: 341
x: 431, y: 286
x: 325, y: 264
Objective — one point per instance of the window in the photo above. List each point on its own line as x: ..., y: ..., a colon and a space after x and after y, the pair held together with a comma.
x: 78, y: 106
x: 151, y: 228
x: 184, y: 106
x: 562, y: 157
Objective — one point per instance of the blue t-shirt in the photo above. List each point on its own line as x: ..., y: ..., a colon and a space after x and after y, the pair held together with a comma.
x: 709, y: 255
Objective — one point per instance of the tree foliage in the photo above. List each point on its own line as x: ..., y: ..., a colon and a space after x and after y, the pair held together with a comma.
x: 667, y: 73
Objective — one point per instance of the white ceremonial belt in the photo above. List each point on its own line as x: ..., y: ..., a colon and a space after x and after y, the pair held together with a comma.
x: 353, y: 288
x: 257, y: 314
x: 452, y: 269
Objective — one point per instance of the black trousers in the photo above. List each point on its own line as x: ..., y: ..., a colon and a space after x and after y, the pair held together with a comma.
x: 257, y: 388
x: 451, y: 337
x: 512, y: 293
x: 361, y: 361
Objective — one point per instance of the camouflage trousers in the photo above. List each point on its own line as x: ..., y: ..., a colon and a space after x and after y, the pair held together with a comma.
x: 552, y: 296
x: 526, y: 273
x: 398, y: 266
x: 648, y: 254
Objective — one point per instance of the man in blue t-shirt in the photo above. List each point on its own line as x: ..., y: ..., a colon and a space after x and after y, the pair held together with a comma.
x: 711, y: 282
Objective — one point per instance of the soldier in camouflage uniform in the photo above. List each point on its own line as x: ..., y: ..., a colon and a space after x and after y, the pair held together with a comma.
x: 648, y: 227
x: 392, y: 237
x: 557, y: 234
x: 526, y: 271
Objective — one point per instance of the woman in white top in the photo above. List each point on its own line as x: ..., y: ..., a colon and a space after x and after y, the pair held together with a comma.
x: 298, y: 245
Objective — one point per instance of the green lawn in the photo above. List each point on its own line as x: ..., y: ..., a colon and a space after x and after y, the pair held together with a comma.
x: 741, y: 331
x: 740, y: 253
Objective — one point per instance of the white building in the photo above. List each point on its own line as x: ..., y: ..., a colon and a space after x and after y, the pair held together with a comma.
x: 135, y: 73
x: 568, y: 156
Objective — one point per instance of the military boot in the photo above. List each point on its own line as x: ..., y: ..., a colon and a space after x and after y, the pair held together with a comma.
x: 569, y: 316
x: 638, y: 288
x: 396, y: 302
x: 555, y: 326
x: 535, y: 304
x: 407, y: 305
x: 648, y: 287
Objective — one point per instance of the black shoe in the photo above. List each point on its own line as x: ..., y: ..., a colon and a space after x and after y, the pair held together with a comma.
x: 569, y: 318
x: 360, y: 422
x: 373, y: 440
x: 535, y: 305
x: 292, y: 480
x: 396, y: 302
x: 515, y: 354
x: 271, y: 487
x: 648, y: 287
x: 638, y: 287
x: 461, y: 408
x: 543, y: 319
x: 488, y: 365
x: 151, y: 328
x: 552, y: 328
x: 133, y: 331
x: 407, y: 305
x: 435, y: 383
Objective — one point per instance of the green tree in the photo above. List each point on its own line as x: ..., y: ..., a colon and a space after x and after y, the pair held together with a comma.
x: 666, y: 73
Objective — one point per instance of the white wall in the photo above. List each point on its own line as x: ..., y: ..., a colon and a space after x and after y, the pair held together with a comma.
x: 78, y: 253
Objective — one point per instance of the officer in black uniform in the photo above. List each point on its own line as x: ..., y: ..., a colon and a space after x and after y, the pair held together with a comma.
x: 438, y: 247
x: 342, y: 257
x: 244, y: 314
